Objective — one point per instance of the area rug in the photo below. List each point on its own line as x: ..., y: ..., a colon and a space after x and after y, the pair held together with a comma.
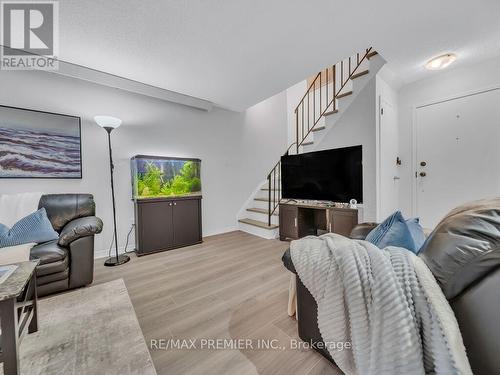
x: 87, y: 331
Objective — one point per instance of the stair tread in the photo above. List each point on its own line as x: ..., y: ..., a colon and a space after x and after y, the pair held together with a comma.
x: 332, y: 112
x: 258, y: 223
x: 265, y: 225
x: 266, y: 199
x: 261, y: 211
x: 360, y: 74
x: 347, y: 93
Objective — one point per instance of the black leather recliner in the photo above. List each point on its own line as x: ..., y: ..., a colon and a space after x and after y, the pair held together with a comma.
x: 67, y: 262
x: 463, y: 253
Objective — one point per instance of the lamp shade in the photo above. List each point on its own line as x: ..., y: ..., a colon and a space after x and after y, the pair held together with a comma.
x: 108, y: 121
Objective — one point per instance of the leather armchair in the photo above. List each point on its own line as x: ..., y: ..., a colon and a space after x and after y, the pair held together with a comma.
x: 463, y: 253
x: 67, y: 262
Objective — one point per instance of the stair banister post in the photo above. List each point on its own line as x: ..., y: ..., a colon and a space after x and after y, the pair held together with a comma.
x: 269, y: 200
x: 334, y: 85
x: 297, y: 129
x: 274, y: 189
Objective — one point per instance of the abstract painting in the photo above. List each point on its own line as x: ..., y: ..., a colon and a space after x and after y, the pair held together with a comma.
x: 35, y: 144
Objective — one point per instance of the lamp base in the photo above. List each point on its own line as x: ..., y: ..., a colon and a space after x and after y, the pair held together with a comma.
x: 113, y: 261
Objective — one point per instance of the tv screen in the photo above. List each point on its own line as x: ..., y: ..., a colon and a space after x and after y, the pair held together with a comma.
x: 332, y: 175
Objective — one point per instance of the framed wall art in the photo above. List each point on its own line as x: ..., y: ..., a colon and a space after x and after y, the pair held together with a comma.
x: 36, y: 144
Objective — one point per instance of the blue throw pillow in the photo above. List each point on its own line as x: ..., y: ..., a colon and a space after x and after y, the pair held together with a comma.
x: 35, y: 227
x: 393, y: 231
x: 417, y: 233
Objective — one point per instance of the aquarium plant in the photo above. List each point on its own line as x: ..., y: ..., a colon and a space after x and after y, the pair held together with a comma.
x: 164, y: 177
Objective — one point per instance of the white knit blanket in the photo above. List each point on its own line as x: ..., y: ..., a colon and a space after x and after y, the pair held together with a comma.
x: 386, y: 303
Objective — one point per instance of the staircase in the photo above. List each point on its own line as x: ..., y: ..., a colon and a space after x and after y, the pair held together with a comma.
x: 326, y: 99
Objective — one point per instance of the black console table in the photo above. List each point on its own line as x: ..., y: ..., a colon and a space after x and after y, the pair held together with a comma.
x: 18, y: 313
x: 298, y: 220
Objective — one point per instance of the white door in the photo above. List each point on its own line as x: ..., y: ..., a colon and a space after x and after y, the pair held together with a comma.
x: 388, y: 154
x: 457, y: 154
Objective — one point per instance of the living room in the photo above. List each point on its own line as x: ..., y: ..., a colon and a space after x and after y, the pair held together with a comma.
x: 160, y: 159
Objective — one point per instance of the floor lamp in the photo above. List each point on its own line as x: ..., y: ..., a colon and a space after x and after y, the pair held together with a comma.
x: 109, y: 124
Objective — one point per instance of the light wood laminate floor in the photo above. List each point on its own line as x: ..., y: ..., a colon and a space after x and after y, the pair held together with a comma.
x: 232, y: 286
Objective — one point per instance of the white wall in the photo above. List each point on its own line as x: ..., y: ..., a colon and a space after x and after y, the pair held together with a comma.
x: 263, y: 139
x: 387, y: 87
x: 236, y: 149
x: 386, y: 91
x: 446, y: 85
x: 358, y: 127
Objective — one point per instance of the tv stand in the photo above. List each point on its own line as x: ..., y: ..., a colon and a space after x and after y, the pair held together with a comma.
x: 300, y: 219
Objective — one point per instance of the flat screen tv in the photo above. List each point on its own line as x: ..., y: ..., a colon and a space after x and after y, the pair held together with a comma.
x: 331, y: 175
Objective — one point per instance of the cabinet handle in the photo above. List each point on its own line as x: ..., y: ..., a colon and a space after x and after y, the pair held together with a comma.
x: 170, y: 204
x: 175, y: 203
x: 295, y: 221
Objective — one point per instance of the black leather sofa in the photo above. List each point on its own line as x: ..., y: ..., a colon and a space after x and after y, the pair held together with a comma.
x: 67, y: 262
x: 463, y: 253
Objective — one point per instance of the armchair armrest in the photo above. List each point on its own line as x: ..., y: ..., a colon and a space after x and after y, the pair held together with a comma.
x: 78, y: 228
x: 360, y: 231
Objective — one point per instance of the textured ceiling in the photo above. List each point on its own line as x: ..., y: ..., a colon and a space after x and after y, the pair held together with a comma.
x: 236, y: 53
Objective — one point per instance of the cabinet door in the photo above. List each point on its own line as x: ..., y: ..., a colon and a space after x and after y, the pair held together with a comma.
x: 186, y: 216
x: 155, y: 226
x: 343, y: 221
x: 288, y: 222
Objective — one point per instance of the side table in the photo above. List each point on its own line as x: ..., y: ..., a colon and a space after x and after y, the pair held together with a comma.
x: 18, y: 311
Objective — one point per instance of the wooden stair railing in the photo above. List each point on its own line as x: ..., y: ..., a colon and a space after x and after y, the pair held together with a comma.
x: 338, y: 74
x: 322, y: 94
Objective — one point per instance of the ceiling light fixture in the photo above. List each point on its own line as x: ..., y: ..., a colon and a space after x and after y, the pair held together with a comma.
x: 440, y: 62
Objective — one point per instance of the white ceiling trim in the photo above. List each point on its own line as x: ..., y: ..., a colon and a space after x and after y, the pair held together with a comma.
x: 111, y: 80
x: 125, y: 84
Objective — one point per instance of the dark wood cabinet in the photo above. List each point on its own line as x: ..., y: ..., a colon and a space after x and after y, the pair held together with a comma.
x: 152, y: 222
x: 298, y: 220
x: 167, y: 223
x: 186, y: 226
x: 343, y: 220
x: 288, y: 222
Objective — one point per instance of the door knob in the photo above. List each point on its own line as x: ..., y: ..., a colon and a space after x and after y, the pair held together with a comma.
x: 423, y: 174
x: 423, y: 163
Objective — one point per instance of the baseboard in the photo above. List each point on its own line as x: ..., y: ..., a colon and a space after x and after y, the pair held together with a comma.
x: 103, y: 253
x: 231, y: 228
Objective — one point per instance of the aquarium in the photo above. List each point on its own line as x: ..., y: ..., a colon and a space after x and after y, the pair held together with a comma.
x: 157, y: 176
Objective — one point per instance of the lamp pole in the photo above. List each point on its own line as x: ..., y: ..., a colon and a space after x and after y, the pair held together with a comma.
x: 118, y: 259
